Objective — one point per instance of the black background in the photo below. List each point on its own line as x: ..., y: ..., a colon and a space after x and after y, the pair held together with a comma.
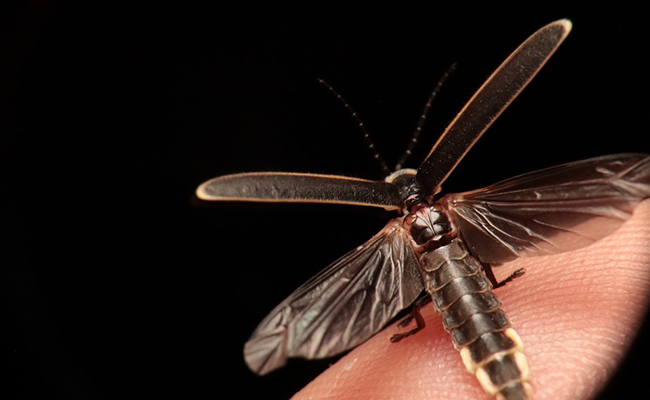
x: 117, y: 282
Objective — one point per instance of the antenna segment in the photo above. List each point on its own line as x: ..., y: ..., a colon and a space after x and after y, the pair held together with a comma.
x: 366, y: 135
x: 418, y: 130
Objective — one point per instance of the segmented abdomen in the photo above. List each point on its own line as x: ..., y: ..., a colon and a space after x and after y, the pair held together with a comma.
x: 472, y: 314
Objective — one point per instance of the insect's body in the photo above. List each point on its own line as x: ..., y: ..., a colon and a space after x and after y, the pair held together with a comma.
x: 471, y: 312
x: 445, y: 247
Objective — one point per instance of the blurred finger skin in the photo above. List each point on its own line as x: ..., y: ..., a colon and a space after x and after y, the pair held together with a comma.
x: 577, y: 314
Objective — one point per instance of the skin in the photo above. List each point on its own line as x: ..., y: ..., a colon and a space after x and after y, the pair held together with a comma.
x: 562, y: 309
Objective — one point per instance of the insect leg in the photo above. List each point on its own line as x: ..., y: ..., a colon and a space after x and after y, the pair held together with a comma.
x: 414, y: 314
x: 496, y: 284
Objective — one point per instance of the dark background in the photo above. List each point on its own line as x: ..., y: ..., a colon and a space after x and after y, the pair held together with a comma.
x: 116, y: 282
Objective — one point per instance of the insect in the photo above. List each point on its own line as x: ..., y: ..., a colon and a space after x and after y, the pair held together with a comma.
x: 444, y: 246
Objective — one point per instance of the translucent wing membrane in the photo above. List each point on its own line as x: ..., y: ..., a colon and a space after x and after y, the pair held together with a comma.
x: 552, y: 210
x: 488, y: 103
x: 295, y: 187
x: 341, y: 307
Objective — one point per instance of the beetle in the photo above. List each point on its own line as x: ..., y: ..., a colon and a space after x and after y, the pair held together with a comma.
x: 444, y: 246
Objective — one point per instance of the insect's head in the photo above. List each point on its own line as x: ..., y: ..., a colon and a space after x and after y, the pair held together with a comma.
x: 408, y: 187
x: 401, y: 175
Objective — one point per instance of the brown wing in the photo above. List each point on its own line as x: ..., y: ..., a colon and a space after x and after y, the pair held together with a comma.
x: 489, y: 101
x: 552, y: 210
x: 301, y: 188
x: 342, y: 306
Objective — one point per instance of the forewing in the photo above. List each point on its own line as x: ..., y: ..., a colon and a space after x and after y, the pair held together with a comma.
x: 489, y: 101
x: 301, y: 188
x: 552, y: 210
x: 342, y: 306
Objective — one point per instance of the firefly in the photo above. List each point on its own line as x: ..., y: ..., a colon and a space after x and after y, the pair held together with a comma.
x: 444, y: 246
